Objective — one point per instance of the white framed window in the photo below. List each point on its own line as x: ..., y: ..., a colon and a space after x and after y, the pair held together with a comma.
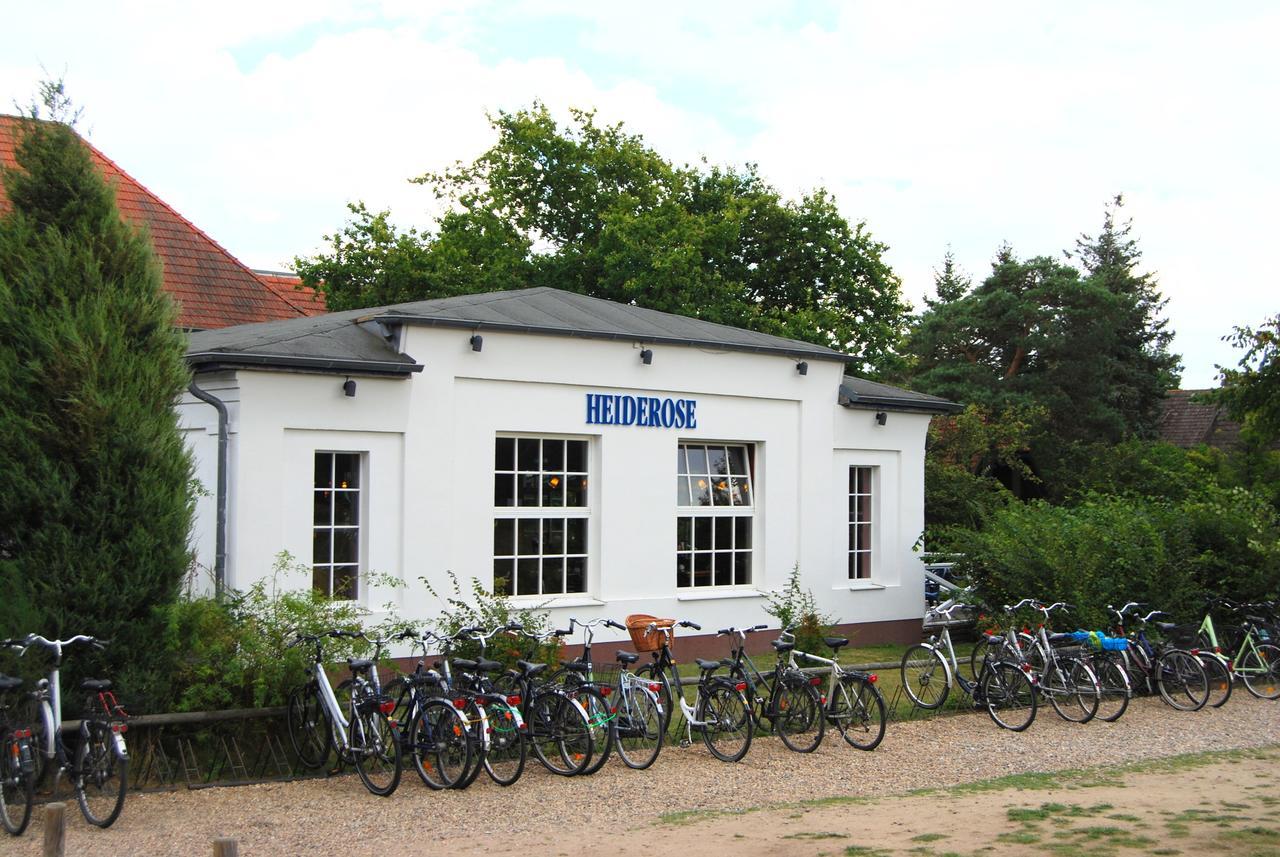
x: 861, y: 480
x: 337, y: 524
x: 715, y: 514
x: 541, y: 513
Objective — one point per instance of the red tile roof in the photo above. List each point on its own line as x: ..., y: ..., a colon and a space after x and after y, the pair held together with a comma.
x: 290, y: 288
x: 1187, y: 423
x: 211, y: 287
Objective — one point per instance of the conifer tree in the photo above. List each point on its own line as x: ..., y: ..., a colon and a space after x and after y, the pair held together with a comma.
x: 95, y: 515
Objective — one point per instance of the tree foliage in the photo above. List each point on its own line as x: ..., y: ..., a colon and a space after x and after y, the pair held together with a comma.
x: 96, y: 513
x: 1251, y: 391
x: 592, y: 209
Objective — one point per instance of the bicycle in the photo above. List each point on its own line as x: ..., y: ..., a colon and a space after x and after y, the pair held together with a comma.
x: 1176, y: 674
x: 853, y: 704
x: 17, y: 762
x: 638, y: 720
x: 1063, y: 679
x: 100, y: 773
x: 720, y: 711
x: 434, y: 735
x: 366, y: 738
x: 1004, y: 683
x: 579, y: 678
x: 1256, y: 662
x: 783, y: 700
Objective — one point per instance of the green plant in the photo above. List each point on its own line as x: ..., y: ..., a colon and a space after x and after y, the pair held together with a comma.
x: 486, y: 609
x: 795, y: 606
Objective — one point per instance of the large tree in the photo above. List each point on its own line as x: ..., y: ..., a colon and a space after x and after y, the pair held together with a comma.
x: 1251, y: 390
x: 95, y: 515
x: 593, y: 209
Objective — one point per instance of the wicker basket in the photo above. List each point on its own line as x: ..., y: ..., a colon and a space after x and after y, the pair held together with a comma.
x: 642, y: 638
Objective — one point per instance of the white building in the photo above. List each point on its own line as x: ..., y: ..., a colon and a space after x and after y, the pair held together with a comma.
x: 597, y: 458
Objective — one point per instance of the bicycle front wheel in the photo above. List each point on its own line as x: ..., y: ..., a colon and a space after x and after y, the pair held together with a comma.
x: 651, y: 674
x: 101, y: 775
x: 1181, y: 680
x: 308, y: 727
x: 638, y: 726
x: 375, y: 751
x: 1009, y: 696
x: 1072, y: 689
x: 1260, y: 669
x: 439, y: 746
x: 797, y: 715
x: 600, y: 719
x: 1113, y: 684
x: 17, y: 791
x: 1220, y: 684
x: 560, y: 733
x: 726, y: 721
x: 505, y: 757
x: 857, y: 711
x: 925, y: 676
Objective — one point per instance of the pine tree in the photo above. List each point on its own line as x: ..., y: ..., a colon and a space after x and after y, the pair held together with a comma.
x: 950, y: 284
x: 96, y: 513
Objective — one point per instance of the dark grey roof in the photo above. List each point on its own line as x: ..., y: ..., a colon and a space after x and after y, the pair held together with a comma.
x: 560, y: 313
x: 334, y: 342
x: 861, y: 393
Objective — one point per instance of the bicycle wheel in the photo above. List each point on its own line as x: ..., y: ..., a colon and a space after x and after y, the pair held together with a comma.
x: 439, y: 748
x: 726, y: 721
x: 857, y: 711
x: 17, y: 791
x: 925, y: 676
x: 308, y: 727
x: 561, y: 734
x: 505, y: 757
x: 976, y: 654
x: 1113, y: 687
x: 101, y: 775
x: 1181, y: 680
x: 1009, y: 696
x: 375, y: 750
x: 1219, y: 676
x: 477, y: 721
x: 638, y: 726
x: 1260, y: 669
x: 797, y: 714
x: 601, y: 718
x: 1072, y: 689
x: 652, y: 675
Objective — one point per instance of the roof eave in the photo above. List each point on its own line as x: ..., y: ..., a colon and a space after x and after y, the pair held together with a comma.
x: 208, y: 361
x: 893, y: 403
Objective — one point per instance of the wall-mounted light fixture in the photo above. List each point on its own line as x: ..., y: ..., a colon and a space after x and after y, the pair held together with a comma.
x: 349, y: 388
x: 882, y: 417
x: 646, y: 356
x: 477, y: 342
x: 802, y: 368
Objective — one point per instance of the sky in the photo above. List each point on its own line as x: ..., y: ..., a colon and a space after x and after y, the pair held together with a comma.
x: 961, y: 125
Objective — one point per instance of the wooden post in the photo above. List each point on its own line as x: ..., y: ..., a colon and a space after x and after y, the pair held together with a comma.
x: 223, y: 847
x: 55, y: 830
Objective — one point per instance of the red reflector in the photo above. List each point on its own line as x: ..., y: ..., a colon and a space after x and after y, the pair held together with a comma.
x: 655, y: 688
x: 816, y: 681
x: 387, y: 706
x: 873, y: 678
x: 1217, y: 650
x: 613, y: 710
x: 459, y: 704
x: 605, y: 691
x: 1195, y: 652
x: 740, y: 686
x: 823, y: 700
x: 514, y: 699
x: 119, y: 727
x: 1026, y: 668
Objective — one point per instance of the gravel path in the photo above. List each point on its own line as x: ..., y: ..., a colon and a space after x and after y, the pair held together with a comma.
x: 337, y: 816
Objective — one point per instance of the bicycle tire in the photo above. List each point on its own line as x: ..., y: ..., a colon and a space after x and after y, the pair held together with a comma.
x: 477, y: 720
x: 1009, y: 696
x: 342, y: 694
x: 1181, y: 680
x: 976, y: 655
x: 504, y: 758
x: 560, y: 733
x: 638, y: 726
x: 727, y: 725
x: 439, y: 746
x: 308, y: 727
x: 1072, y: 689
x: 1219, y: 677
x: 601, y: 718
x: 17, y: 789
x: 1114, y: 689
x: 797, y: 715
x: 101, y: 774
x: 926, y: 677
x: 375, y: 751
x: 1260, y: 670
x: 650, y: 673
x: 857, y: 710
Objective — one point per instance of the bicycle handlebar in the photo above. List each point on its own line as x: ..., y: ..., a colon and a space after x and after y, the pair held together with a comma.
x: 686, y: 624
x: 56, y: 645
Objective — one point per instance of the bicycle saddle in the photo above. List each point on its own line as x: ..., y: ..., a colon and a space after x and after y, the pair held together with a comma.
x: 359, y: 663
x: 464, y: 664
x: 1166, y: 626
x: 782, y: 646
x: 707, y: 666
x: 577, y: 667
x: 995, y: 640
x: 95, y: 685
x: 528, y: 669
x: 836, y: 642
x: 1257, y: 620
x: 487, y: 666
x: 9, y: 683
x: 627, y: 657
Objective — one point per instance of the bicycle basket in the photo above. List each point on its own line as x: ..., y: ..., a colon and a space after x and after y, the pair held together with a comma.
x: 642, y: 638
x: 1182, y: 636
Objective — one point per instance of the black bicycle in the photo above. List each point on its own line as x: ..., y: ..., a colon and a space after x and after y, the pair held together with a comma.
x: 17, y: 760
x: 784, y: 701
x: 434, y: 734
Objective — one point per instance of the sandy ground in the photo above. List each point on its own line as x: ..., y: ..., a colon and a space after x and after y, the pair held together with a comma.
x: 630, y: 810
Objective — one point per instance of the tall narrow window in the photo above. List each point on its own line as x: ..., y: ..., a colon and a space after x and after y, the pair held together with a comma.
x: 540, y: 516
x: 335, y: 551
x: 860, y: 481
x: 715, y: 507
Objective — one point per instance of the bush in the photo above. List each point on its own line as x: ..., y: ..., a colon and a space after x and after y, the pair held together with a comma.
x: 488, y: 610
x: 795, y: 606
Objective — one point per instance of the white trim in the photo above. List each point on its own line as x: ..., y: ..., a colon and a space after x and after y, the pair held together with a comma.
x: 688, y: 595
x: 860, y: 584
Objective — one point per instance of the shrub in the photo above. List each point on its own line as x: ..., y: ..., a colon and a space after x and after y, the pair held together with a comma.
x: 793, y: 605
x: 486, y: 609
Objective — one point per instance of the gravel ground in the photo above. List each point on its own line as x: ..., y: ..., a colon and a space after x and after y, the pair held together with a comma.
x: 542, y: 811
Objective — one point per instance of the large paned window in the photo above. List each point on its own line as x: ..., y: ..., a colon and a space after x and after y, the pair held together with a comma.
x: 335, y: 551
x: 860, y: 505
x: 715, y: 508
x: 540, y: 516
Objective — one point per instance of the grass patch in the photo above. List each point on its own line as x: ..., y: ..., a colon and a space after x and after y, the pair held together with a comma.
x: 1028, y: 836
x: 928, y: 837
x: 865, y: 851
x: 816, y: 835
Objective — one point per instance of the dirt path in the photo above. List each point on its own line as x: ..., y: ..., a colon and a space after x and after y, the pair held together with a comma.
x: 544, y: 814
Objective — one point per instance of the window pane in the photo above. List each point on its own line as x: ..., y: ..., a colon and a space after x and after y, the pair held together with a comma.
x: 346, y: 546
x: 684, y: 534
x: 697, y: 459
x: 504, y: 453
x: 553, y: 536
x: 853, y: 537
x: 744, y: 486
x: 864, y: 565
x: 528, y: 489
x: 322, y: 546
x: 347, y: 470
x: 738, y: 460
x: 853, y: 566
x: 702, y: 569
x: 527, y: 576
x: 702, y: 534
x: 529, y: 454
x: 682, y: 491
x: 346, y: 507
x: 553, y: 455
x: 864, y: 537
x: 575, y: 574
x: 742, y: 536
x: 576, y: 456
x: 576, y: 529
x: 344, y: 582
x: 864, y: 480
x: 504, y: 537
x: 504, y: 490
x: 724, y: 533
x: 682, y: 461
x: 864, y: 508
x: 717, y: 460
x: 320, y: 579
x: 553, y: 575
x: 724, y: 569
x: 701, y: 490
x: 721, y: 486
x: 684, y: 566
x: 553, y: 490
x: 742, y: 568
x: 324, y: 470
x: 735, y: 493
x: 575, y: 491
x: 853, y: 480
x: 527, y: 537
x: 323, y: 508
x: 502, y: 579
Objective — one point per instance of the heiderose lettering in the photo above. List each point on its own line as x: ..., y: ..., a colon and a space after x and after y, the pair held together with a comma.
x: 648, y: 411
